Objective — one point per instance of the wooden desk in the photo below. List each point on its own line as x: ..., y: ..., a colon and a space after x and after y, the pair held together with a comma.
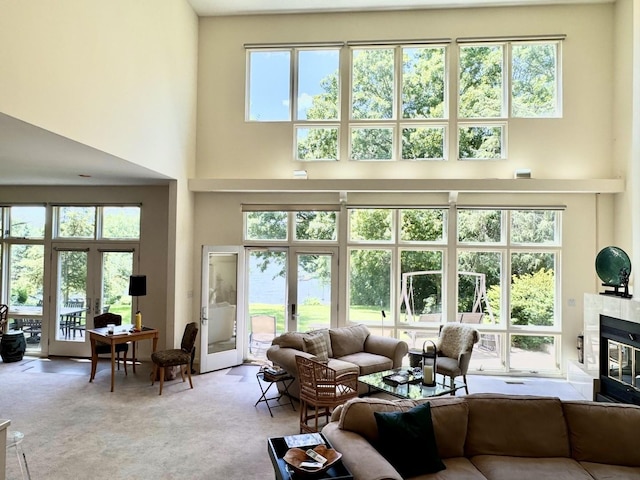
x: 121, y: 335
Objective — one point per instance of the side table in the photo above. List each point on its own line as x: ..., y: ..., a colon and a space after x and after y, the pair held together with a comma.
x: 270, y: 380
x: 277, y: 448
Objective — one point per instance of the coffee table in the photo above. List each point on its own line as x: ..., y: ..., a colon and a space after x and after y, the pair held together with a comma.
x: 410, y: 391
x: 277, y: 448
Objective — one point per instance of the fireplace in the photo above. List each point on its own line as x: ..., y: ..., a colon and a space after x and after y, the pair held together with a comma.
x: 619, y: 361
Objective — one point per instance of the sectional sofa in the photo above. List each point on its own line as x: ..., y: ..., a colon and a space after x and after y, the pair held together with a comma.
x: 489, y: 437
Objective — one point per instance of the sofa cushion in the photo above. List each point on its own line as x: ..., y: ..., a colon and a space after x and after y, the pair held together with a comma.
x: 357, y: 415
x: 407, y: 441
x: 516, y: 425
x: 603, y: 432
x: 601, y: 471
x: 458, y: 468
x: 499, y: 467
x: 369, y: 362
x: 316, y: 345
x: 348, y: 340
x: 290, y: 340
x: 449, y: 416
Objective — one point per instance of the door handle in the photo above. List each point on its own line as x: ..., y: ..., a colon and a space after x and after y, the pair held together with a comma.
x: 203, y: 315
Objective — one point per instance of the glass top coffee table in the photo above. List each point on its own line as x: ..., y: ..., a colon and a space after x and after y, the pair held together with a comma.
x: 412, y: 391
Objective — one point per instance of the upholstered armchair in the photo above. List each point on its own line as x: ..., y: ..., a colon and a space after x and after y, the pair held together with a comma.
x: 455, y: 345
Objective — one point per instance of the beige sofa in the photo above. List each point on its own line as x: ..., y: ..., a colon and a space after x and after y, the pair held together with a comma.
x: 351, y: 348
x: 500, y: 437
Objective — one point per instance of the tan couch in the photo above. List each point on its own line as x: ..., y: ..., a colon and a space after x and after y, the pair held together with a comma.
x: 501, y: 437
x: 351, y: 348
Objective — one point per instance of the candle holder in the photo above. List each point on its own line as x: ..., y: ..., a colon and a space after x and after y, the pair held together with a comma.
x: 429, y: 356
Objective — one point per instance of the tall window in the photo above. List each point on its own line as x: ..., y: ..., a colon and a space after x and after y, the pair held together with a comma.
x: 398, y: 97
x: 490, y: 86
x: 505, y: 279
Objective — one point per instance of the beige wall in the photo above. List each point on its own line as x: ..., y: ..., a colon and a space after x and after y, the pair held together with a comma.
x: 118, y: 76
x: 575, y: 146
x: 121, y: 77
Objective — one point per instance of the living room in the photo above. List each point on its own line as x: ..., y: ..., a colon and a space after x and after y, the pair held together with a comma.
x: 156, y: 116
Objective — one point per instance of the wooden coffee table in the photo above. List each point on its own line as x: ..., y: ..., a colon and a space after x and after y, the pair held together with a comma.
x: 277, y: 448
x: 410, y: 391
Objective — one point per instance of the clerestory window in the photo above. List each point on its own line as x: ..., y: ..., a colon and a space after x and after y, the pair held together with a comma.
x: 398, y: 96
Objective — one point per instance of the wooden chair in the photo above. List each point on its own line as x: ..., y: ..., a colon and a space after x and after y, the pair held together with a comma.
x: 102, y: 320
x: 177, y: 356
x: 323, y: 389
x: 263, y: 331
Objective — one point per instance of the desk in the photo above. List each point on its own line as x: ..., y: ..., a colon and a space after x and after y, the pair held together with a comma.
x: 121, y: 335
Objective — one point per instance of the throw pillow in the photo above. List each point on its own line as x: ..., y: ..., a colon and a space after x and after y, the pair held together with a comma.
x: 316, y: 345
x: 348, y: 340
x: 407, y: 441
x: 290, y: 340
x: 324, y: 332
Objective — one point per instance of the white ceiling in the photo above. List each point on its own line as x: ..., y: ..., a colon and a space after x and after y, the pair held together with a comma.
x: 250, y: 7
x: 33, y: 156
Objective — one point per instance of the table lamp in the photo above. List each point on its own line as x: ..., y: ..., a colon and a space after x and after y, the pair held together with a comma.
x: 138, y: 288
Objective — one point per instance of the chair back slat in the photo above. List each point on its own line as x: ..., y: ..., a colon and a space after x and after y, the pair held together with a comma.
x: 104, y: 319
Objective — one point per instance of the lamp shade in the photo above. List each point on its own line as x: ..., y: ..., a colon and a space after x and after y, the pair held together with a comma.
x: 137, y: 285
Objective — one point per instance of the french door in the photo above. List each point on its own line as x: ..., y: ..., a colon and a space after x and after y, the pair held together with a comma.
x: 87, y: 280
x: 296, y: 286
x: 222, y: 308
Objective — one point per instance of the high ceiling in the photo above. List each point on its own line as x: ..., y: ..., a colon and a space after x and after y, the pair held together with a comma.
x: 33, y: 156
x: 249, y: 7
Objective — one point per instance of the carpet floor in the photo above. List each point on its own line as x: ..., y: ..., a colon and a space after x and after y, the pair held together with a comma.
x: 74, y: 429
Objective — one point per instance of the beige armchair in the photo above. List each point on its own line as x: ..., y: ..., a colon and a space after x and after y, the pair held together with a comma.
x: 455, y: 345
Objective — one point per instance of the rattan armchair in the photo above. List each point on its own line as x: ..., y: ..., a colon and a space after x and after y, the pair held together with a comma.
x: 323, y: 389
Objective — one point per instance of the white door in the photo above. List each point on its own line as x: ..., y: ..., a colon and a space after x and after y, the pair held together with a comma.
x: 222, y: 308
x: 87, y: 280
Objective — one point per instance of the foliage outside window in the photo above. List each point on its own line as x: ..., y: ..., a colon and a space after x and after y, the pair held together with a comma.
x: 485, y: 96
x: 26, y: 222
x: 121, y: 222
x: 26, y: 276
x: 398, y: 98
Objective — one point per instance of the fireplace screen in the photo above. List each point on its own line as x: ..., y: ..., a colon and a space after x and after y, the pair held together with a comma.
x: 624, y: 363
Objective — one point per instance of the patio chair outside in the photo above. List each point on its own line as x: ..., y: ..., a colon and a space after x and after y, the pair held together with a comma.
x: 263, y: 331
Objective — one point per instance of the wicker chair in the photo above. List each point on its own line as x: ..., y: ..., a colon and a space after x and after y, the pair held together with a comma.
x: 323, y: 389
x: 176, y: 356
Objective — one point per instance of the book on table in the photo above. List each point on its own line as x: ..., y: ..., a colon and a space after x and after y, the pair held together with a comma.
x: 304, y: 440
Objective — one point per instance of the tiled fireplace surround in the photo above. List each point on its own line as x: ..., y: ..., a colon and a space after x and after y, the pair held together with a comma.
x: 584, y: 377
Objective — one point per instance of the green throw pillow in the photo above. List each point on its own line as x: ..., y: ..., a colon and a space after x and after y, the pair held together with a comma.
x: 407, y: 441
x: 316, y: 345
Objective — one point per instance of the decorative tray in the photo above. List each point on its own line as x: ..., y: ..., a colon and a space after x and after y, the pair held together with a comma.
x: 402, y: 378
x: 295, y: 456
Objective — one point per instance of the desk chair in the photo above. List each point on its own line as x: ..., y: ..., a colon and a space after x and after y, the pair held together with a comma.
x: 323, y: 389
x: 176, y: 356
x: 102, y: 320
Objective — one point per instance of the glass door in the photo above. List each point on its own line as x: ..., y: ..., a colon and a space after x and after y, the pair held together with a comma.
x: 87, y: 281
x: 222, y: 308
x: 289, y: 289
x: 313, y: 287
